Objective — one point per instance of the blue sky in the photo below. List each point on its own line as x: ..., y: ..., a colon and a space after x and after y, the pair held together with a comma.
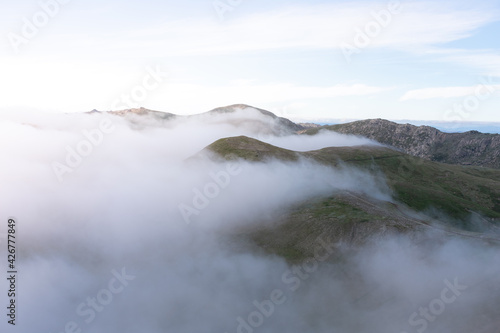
x: 419, y: 60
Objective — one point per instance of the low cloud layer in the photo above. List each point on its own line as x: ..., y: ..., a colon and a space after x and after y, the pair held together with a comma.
x: 105, y: 244
x: 323, y: 139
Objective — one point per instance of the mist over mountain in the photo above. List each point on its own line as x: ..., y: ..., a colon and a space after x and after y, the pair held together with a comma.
x: 464, y: 148
x: 237, y: 114
x: 231, y: 221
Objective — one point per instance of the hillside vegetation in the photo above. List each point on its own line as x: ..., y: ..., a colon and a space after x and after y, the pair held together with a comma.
x: 431, y: 188
x: 418, y: 183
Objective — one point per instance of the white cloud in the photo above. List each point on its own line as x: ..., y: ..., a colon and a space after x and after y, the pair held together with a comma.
x: 487, y: 60
x: 313, y: 26
x: 439, y: 92
x: 447, y: 92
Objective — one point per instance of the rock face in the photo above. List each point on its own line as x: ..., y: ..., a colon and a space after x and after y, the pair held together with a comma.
x: 469, y: 148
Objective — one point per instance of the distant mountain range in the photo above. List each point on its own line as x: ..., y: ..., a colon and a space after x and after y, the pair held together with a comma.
x: 469, y: 148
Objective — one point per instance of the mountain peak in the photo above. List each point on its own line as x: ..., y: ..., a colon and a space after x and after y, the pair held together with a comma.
x: 141, y: 111
x: 284, y: 122
x: 236, y: 107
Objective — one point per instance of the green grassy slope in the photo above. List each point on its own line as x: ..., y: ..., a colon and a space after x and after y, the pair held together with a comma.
x: 420, y: 184
x: 250, y: 149
x: 350, y: 218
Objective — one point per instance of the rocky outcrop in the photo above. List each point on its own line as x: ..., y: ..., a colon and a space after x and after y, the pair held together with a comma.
x: 469, y: 148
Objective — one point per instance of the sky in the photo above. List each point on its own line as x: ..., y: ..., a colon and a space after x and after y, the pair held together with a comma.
x: 304, y: 60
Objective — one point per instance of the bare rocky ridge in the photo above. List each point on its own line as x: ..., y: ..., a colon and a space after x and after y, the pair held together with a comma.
x: 309, y: 125
x: 469, y: 148
x: 143, y: 112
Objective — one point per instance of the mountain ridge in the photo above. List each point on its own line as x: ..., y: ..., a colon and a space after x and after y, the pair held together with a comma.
x: 279, y: 126
x: 469, y: 148
x: 466, y: 148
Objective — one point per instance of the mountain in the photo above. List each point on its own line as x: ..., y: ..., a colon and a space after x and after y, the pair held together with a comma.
x: 469, y: 148
x: 280, y: 122
x: 238, y: 115
x: 424, y: 192
x: 144, y: 112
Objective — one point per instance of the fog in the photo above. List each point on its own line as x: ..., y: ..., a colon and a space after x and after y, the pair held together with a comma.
x: 136, y: 237
x: 323, y: 139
